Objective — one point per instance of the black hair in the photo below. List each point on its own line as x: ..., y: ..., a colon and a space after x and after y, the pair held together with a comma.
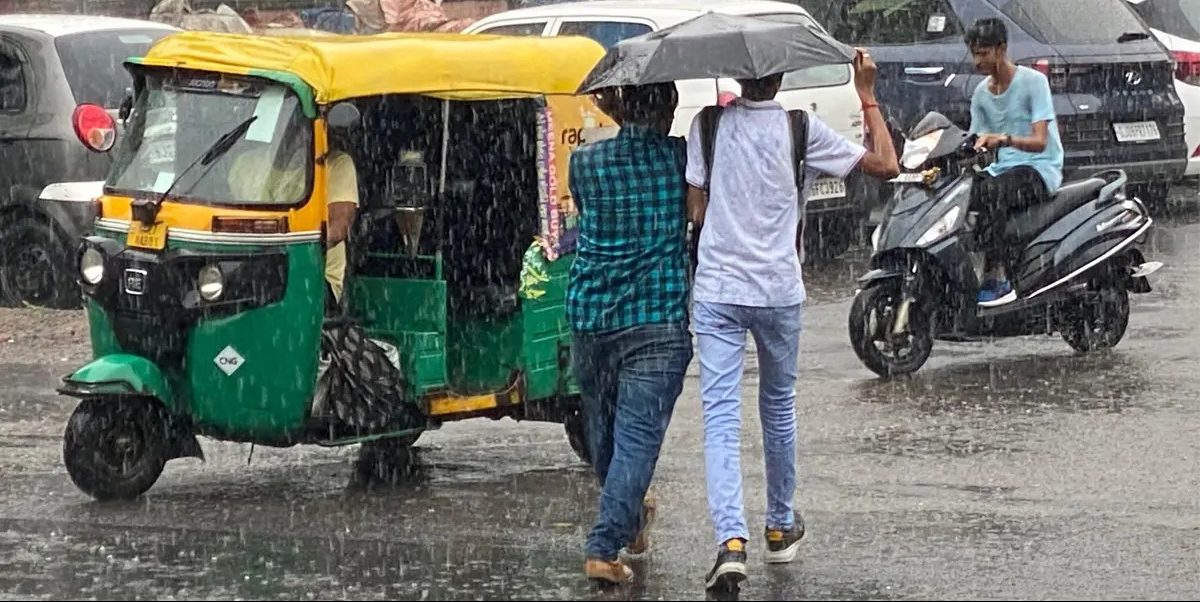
x: 987, y: 33
x: 764, y: 88
x: 649, y: 103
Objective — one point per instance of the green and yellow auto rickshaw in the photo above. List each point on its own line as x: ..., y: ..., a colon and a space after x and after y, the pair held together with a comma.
x: 210, y: 307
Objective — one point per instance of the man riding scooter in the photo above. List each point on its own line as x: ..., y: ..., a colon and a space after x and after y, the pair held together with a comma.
x: 1011, y: 111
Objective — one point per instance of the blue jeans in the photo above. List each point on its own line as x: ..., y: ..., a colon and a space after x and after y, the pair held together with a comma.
x: 721, y: 334
x: 629, y: 381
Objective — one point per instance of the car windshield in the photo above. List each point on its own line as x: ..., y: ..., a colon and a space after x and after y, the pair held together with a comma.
x: 1057, y: 22
x: 1176, y: 17
x: 88, y: 61
x: 813, y: 77
x: 177, y: 119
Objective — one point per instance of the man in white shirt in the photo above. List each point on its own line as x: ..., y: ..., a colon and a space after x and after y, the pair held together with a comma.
x: 748, y: 279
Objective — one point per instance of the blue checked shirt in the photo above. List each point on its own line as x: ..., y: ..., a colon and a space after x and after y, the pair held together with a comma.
x: 631, y: 263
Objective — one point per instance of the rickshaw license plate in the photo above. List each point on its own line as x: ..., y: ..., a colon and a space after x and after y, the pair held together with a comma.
x: 152, y: 237
x: 827, y: 188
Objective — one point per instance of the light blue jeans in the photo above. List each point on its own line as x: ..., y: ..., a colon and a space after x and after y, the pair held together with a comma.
x: 721, y: 334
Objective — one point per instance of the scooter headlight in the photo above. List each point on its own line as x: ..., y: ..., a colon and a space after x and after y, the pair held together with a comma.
x: 91, y: 266
x: 211, y: 283
x: 941, y: 228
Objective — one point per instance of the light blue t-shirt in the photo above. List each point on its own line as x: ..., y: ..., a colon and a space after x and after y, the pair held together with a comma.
x: 1026, y: 101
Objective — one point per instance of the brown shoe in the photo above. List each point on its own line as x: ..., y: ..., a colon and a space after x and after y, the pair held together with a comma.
x: 613, y: 572
x: 641, y: 543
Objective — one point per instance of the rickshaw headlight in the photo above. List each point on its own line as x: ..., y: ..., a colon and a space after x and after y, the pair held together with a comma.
x: 212, y: 283
x: 91, y: 266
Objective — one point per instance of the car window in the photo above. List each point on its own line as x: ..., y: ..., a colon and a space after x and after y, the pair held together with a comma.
x: 883, y: 22
x: 813, y: 77
x: 12, y: 79
x: 1176, y: 17
x: 605, y: 33
x: 1058, y: 22
x: 517, y: 29
x: 93, y: 61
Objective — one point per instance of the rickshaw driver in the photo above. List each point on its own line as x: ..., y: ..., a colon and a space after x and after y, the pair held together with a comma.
x: 287, y: 184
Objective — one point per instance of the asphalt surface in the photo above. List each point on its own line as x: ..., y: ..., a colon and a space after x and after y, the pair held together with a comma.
x: 1008, y: 470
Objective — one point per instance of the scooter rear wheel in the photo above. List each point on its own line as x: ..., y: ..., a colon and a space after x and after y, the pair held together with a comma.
x: 872, y: 313
x: 1100, y: 323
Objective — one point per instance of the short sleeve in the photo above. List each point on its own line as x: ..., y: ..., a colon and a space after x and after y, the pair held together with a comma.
x: 1040, y: 100
x: 829, y: 152
x: 979, y: 123
x: 343, y: 179
x: 697, y: 171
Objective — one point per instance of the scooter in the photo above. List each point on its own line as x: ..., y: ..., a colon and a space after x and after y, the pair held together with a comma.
x: 1080, y: 259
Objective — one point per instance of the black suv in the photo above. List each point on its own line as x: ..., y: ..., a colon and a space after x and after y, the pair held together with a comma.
x: 1113, y: 82
x: 61, y: 83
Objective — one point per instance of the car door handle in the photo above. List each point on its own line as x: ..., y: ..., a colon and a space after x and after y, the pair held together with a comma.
x: 924, y: 70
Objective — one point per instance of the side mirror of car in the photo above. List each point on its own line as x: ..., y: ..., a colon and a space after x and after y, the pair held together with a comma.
x: 343, y: 116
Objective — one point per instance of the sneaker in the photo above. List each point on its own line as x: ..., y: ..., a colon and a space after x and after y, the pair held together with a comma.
x: 784, y: 544
x: 730, y: 569
x: 607, y: 572
x: 999, y: 293
x: 641, y: 543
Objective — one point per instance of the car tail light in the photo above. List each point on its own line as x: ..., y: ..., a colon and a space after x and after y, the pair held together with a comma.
x: 1187, y: 67
x: 1057, y: 74
x: 94, y: 127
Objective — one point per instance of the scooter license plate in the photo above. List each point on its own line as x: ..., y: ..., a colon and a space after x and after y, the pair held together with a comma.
x: 909, y: 178
x: 1140, y: 131
x: 152, y: 237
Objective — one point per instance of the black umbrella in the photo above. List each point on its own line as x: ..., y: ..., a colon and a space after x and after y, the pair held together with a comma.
x: 717, y: 45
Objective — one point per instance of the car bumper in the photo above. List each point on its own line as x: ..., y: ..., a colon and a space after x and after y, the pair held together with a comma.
x: 1143, y: 172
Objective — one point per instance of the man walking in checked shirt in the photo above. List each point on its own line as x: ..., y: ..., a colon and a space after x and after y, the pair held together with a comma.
x: 627, y: 307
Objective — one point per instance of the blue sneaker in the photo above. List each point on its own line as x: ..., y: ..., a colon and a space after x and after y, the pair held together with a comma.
x: 995, y: 293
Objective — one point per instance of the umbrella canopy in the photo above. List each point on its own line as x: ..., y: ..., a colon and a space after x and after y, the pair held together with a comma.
x: 716, y: 45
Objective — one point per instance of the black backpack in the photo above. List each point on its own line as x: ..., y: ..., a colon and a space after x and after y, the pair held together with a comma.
x: 710, y: 120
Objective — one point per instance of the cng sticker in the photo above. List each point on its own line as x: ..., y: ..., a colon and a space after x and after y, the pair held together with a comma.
x: 229, y: 360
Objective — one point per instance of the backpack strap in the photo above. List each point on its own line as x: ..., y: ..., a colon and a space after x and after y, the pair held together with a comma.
x: 798, y: 120
x: 710, y: 119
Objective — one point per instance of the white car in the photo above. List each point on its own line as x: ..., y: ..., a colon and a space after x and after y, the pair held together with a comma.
x: 1176, y: 23
x: 827, y: 91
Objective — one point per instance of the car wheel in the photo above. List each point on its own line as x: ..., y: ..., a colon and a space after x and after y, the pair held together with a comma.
x: 35, y: 266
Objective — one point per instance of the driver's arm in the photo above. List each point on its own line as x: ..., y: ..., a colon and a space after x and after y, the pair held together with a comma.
x: 343, y: 197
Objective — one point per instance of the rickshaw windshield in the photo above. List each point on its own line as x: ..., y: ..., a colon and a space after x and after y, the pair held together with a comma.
x: 177, y: 119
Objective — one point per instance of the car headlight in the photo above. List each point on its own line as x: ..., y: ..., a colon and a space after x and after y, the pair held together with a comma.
x: 941, y: 228
x: 91, y: 266
x: 211, y: 283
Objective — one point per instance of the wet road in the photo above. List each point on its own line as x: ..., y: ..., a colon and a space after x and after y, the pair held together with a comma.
x: 1008, y: 470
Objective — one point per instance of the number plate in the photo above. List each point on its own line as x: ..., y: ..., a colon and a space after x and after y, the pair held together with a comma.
x: 909, y: 178
x: 827, y: 188
x: 1140, y: 131
x: 153, y: 237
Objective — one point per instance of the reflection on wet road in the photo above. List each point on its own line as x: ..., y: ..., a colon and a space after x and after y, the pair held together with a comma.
x: 1008, y: 470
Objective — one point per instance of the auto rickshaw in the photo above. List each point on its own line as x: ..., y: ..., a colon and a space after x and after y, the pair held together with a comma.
x: 205, y: 275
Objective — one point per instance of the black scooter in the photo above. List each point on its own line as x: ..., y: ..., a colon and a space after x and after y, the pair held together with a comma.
x: 1080, y: 259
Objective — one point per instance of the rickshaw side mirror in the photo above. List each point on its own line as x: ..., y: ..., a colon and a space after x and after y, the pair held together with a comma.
x: 343, y: 116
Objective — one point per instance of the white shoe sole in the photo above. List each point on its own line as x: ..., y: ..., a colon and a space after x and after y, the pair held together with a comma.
x: 1006, y: 299
x: 785, y: 555
x: 730, y: 573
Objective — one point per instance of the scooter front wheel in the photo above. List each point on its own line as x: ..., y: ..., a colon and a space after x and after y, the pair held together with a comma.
x: 872, y: 317
x: 116, y: 448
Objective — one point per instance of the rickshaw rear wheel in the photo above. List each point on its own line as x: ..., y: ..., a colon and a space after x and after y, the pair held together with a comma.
x: 387, y: 461
x: 577, y: 437
x: 116, y: 448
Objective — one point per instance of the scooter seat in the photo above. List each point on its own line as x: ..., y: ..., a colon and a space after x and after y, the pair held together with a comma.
x: 1068, y: 198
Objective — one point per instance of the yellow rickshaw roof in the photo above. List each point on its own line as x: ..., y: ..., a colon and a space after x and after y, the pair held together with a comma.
x: 340, y: 67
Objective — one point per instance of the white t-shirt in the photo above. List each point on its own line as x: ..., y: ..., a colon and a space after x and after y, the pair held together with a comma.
x: 747, y: 252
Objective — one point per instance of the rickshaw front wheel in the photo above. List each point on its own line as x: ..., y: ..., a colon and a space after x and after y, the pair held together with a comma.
x: 116, y: 448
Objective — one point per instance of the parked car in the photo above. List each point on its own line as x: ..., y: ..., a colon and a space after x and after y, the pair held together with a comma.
x: 1113, y: 82
x: 61, y: 83
x: 1176, y: 23
x: 839, y: 207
